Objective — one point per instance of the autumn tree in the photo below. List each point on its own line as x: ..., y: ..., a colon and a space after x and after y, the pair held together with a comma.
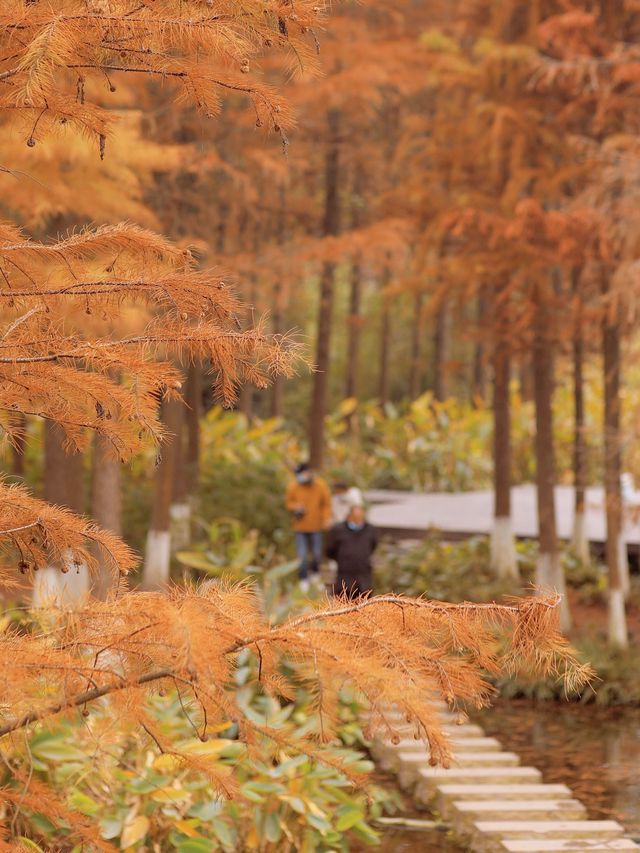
x: 106, y: 380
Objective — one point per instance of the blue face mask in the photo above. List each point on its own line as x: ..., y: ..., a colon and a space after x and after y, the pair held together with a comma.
x: 353, y: 526
x: 303, y: 478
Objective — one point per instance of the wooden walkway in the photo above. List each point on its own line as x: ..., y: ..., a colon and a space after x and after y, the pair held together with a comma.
x: 492, y: 803
x: 464, y: 514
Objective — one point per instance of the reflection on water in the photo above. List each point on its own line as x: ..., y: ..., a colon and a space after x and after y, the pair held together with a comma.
x: 595, y: 751
x: 403, y: 840
x: 399, y: 841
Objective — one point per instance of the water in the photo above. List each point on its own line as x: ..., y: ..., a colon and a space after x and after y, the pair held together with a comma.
x: 595, y: 751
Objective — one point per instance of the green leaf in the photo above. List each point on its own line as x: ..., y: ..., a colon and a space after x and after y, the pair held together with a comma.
x: 83, y: 803
x: 223, y: 833
x: 205, y: 811
x: 194, y: 845
x: 348, y: 816
x: 273, y: 827
x: 365, y: 832
x: 111, y: 827
x: 134, y: 831
x: 56, y: 748
x: 265, y: 787
x: 29, y: 844
x: 296, y: 804
x: 194, y: 560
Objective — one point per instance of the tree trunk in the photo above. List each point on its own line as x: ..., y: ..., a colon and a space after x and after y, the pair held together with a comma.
x: 277, y: 389
x: 193, y: 400
x: 385, y: 344
x: 479, y: 378
x: 331, y: 226
x: 618, y: 635
x: 526, y: 379
x: 106, y: 507
x: 579, y: 538
x: 440, y: 342
x: 415, y: 372
x: 158, y: 550
x: 180, y: 511
x: 355, y: 295
x: 353, y: 349
x: 65, y: 584
x: 503, y: 551
x: 549, y: 572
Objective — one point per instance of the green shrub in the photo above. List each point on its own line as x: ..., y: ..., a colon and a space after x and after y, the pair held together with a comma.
x: 449, y: 571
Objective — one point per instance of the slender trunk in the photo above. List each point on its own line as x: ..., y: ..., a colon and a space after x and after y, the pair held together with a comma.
x: 618, y: 635
x: 526, y: 379
x: 193, y: 400
x: 579, y: 539
x: 440, y: 342
x: 355, y: 295
x: 479, y: 378
x: 503, y: 551
x: 355, y: 320
x: 180, y: 511
x: 331, y: 226
x: 65, y: 583
x: 106, y: 507
x: 415, y: 372
x: 549, y: 572
x: 277, y: 390
x: 245, y: 401
x: 158, y: 550
x: 18, y: 423
x: 385, y: 344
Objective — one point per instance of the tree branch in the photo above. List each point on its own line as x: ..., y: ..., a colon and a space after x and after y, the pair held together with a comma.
x: 82, y: 699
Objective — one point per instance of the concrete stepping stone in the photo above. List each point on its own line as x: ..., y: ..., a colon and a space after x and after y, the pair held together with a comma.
x: 430, y: 778
x: 446, y: 795
x: 569, y: 845
x: 409, y: 763
x: 386, y: 753
x: 464, y: 813
x: 487, y: 835
x: 464, y: 731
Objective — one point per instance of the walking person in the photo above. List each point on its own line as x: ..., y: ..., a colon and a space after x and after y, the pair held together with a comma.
x: 351, y: 544
x: 308, y: 499
x: 344, y: 498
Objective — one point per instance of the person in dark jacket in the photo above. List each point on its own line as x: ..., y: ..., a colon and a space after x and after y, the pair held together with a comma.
x: 351, y: 545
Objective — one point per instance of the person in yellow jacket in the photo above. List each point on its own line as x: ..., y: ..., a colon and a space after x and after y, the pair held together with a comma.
x: 308, y: 500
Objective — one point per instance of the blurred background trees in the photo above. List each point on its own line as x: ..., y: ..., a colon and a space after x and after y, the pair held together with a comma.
x: 448, y: 224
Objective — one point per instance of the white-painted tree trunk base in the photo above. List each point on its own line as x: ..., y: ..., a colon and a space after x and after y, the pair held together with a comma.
x: 550, y: 579
x: 157, y: 559
x: 180, y: 526
x: 579, y: 538
x: 504, y: 560
x: 618, y: 636
x: 544, y: 573
x: 623, y: 565
x: 54, y: 588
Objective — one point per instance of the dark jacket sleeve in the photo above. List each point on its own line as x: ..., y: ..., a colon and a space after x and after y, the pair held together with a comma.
x: 375, y: 539
x: 332, y: 543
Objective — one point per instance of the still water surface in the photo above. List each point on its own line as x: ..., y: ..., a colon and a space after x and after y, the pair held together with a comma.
x: 596, y: 752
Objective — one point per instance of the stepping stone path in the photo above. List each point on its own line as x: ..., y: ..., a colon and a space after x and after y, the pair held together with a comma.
x: 492, y: 803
